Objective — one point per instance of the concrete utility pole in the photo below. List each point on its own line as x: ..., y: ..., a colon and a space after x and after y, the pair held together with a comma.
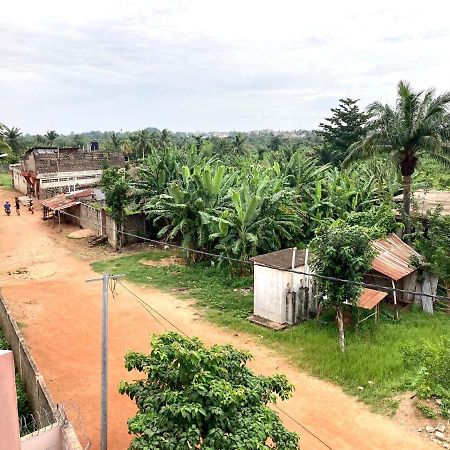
x: 104, y: 374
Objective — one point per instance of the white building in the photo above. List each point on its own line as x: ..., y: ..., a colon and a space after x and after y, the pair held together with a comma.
x: 279, y: 296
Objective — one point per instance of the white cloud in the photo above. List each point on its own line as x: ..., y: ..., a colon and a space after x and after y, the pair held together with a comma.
x: 210, y: 64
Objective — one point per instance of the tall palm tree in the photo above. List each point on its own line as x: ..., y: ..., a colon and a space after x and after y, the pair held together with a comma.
x: 4, y: 147
x: 142, y: 141
x: 51, y: 135
x: 115, y: 141
x: 12, y: 138
x: 418, y: 126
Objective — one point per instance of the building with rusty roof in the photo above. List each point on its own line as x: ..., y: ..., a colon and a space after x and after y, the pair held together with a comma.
x: 283, y: 297
x: 47, y: 171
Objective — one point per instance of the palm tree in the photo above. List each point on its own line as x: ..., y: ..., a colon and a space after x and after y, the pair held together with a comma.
x: 115, y: 141
x: 141, y: 140
x: 238, y: 144
x: 51, y: 135
x: 417, y: 127
x: 12, y: 137
x: 4, y: 146
x: 78, y: 140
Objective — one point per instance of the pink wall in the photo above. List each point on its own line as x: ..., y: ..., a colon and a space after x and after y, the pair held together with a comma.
x: 49, y: 438
x: 9, y: 422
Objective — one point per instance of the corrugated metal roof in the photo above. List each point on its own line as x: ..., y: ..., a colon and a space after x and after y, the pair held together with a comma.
x: 370, y: 298
x: 393, y: 257
x: 281, y: 259
x: 59, y: 202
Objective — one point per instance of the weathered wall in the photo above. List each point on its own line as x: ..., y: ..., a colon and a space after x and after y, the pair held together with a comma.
x: 135, y: 224
x: 270, y: 289
x: 74, y: 161
x: 50, y: 438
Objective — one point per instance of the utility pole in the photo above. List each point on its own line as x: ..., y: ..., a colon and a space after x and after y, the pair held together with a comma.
x: 104, y: 371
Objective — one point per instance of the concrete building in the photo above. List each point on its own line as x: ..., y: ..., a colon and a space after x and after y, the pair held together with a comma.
x: 284, y: 298
x: 281, y: 297
x: 47, y: 171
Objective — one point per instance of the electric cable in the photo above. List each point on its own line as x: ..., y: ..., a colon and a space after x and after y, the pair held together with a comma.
x: 251, y: 263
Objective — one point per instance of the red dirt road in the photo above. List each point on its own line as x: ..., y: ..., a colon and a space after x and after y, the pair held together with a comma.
x: 60, y: 316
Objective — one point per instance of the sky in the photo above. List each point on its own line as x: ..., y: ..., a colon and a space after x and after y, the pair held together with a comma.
x: 211, y: 65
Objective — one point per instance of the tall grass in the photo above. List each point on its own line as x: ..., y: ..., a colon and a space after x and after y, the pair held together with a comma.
x: 371, y: 368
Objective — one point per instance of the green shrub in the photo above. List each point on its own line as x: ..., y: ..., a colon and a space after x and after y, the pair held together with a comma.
x: 431, y: 364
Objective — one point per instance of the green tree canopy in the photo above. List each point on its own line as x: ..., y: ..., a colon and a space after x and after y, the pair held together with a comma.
x: 193, y: 397
x: 346, y: 126
x: 417, y: 126
x: 344, y: 252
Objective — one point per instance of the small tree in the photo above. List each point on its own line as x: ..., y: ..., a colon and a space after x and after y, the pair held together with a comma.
x: 115, y: 184
x: 194, y: 397
x: 345, y: 127
x: 344, y: 252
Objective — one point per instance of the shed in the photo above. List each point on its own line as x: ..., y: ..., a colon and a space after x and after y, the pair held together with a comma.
x: 280, y: 296
x: 283, y: 297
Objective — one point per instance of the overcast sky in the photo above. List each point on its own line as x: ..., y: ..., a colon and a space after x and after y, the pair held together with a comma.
x: 192, y: 65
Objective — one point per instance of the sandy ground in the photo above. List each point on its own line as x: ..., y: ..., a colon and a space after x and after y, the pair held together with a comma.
x: 43, y: 274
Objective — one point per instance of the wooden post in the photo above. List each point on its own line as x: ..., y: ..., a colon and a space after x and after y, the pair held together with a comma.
x: 395, y: 299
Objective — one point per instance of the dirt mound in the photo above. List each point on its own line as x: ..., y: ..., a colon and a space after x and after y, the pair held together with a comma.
x: 80, y: 234
x: 164, y: 262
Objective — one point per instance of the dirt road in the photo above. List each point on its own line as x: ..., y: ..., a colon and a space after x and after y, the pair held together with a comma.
x: 60, y: 318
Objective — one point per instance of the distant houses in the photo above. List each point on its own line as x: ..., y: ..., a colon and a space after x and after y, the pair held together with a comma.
x: 46, y: 171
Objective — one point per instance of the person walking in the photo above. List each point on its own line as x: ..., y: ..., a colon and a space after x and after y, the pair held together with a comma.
x: 17, y: 205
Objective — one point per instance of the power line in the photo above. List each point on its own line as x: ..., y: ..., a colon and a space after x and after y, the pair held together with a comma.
x: 143, y: 303
x: 375, y: 287
x: 302, y: 426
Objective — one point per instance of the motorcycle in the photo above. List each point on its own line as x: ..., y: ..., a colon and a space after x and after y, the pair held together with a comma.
x: 7, y: 211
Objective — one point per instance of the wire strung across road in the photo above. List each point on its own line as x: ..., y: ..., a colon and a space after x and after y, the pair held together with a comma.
x: 151, y: 310
x: 251, y: 263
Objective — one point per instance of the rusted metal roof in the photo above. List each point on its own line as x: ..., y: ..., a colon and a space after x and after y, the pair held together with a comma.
x: 393, y: 257
x: 281, y: 259
x: 425, y: 200
x: 81, y: 194
x: 60, y: 201
x: 370, y: 298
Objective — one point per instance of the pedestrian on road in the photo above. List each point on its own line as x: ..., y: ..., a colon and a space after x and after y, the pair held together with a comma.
x: 31, y: 206
x: 17, y: 205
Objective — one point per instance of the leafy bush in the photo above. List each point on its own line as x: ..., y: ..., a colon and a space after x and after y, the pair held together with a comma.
x: 23, y: 406
x: 431, y: 364
x: 433, y: 243
x: 203, y: 398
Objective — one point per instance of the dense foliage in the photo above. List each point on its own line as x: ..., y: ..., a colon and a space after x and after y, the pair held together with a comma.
x: 204, y: 398
x: 344, y: 252
x: 431, y: 364
x: 346, y: 126
x: 433, y: 244
x: 417, y: 127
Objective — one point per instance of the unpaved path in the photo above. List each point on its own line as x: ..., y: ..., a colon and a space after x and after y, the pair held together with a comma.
x: 60, y: 318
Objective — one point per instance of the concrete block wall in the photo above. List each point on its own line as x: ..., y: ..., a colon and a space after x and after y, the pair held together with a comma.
x: 135, y: 224
x: 76, y: 161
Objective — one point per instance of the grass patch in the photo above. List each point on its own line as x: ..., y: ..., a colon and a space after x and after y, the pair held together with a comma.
x: 425, y: 410
x: 5, y: 179
x: 372, y: 360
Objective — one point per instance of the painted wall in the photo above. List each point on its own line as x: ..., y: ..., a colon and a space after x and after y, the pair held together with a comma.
x: 9, y: 424
x: 47, y: 438
x: 270, y: 289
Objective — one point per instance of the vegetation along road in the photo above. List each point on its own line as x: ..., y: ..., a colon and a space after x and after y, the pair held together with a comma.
x: 42, y: 274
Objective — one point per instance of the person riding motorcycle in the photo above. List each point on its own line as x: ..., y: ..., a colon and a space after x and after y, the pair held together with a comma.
x: 7, y: 207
